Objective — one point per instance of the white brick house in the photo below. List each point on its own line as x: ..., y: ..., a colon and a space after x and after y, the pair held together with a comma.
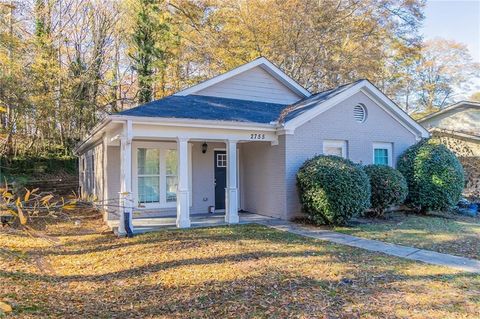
x: 235, y: 142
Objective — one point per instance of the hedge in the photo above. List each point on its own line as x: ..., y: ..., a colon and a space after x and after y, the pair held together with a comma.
x: 332, y: 189
x: 388, y: 187
x: 434, y: 176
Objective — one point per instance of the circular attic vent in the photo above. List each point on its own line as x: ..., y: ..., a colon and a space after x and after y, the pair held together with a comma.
x: 360, y: 113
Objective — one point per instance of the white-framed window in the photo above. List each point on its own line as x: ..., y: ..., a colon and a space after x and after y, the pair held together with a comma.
x: 155, y: 174
x: 221, y: 160
x: 335, y: 147
x: 148, y: 170
x: 382, y: 153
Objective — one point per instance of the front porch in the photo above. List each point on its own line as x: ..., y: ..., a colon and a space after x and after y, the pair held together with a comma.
x: 146, y: 224
x: 165, y: 175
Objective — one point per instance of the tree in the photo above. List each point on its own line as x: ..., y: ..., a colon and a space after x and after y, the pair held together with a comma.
x: 475, y: 97
x: 444, y: 66
x: 150, y: 43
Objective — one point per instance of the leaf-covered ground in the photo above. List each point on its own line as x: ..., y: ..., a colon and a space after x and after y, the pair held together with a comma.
x: 227, y: 272
x: 442, y: 232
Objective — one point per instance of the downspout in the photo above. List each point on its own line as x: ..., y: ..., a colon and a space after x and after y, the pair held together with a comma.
x: 126, y: 220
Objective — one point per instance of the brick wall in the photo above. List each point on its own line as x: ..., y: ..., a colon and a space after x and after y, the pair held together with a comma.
x: 338, y: 123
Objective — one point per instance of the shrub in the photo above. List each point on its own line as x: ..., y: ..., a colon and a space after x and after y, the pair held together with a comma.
x: 434, y: 176
x: 388, y: 186
x: 332, y: 189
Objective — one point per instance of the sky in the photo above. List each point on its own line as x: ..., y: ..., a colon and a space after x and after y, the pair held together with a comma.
x: 457, y: 20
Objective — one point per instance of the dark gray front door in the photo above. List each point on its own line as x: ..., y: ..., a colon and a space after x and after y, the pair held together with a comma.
x: 220, y: 163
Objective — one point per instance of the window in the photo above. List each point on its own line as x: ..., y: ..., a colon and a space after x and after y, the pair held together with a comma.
x: 156, y: 175
x: 171, y: 161
x: 148, y: 169
x: 382, y: 153
x: 221, y: 160
x: 335, y: 147
x: 360, y: 113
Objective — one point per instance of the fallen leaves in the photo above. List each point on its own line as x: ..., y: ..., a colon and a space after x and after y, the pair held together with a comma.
x: 225, y: 272
x: 5, y: 307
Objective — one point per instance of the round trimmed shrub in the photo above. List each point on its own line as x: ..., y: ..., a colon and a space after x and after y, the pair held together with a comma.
x: 332, y: 189
x: 434, y: 176
x: 388, y: 187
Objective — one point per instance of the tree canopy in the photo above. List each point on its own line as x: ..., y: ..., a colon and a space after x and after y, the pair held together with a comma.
x: 64, y: 64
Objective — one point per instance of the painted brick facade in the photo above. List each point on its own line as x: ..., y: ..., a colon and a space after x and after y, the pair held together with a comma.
x: 338, y: 123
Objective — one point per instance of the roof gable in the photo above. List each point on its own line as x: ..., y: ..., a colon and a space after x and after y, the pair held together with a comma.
x: 301, y: 112
x: 461, y: 117
x: 452, y: 108
x: 258, y: 80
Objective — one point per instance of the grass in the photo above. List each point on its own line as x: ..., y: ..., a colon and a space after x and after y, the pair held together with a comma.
x: 442, y: 232
x: 249, y: 271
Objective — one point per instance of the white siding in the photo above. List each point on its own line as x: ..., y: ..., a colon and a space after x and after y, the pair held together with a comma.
x: 255, y: 85
x: 113, y: 173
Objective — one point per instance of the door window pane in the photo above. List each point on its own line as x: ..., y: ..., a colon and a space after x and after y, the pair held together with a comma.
x: 221, y: 160
x: 381, y: 156
x: 148, y: 189
x: 171, y: 163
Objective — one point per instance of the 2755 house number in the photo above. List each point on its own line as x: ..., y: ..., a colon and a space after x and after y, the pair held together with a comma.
x: 257, y: 136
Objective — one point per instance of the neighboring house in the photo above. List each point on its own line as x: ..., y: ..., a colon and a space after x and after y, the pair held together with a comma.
x: 458, y: 127
x: 235, y: 142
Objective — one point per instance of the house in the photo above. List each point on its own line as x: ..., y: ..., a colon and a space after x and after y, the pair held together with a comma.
x: 458, y: 127
x: 235, y: 142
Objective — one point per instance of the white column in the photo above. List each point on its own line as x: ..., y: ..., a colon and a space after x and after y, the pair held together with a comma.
x: 231, y: 192
x: 126, y: 201
x: 183, y: 196
x: 104, y: 177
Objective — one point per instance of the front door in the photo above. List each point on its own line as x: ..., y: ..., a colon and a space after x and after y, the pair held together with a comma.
x: 220, y: 159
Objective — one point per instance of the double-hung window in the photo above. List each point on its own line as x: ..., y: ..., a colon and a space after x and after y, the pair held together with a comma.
x: 382, y: 154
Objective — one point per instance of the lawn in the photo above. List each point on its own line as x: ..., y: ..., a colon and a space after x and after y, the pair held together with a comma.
x: 249, y: 271
x: 441, y: 232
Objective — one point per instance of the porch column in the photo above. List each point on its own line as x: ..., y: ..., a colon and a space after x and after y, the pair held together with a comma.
x: 105, y: 198
x: 231, y: 192
x: 183, y: 196
x: 126, y: 202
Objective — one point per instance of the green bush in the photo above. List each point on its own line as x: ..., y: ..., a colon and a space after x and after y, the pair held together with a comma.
x: 434, y: 176
x: 388, y: 186
x: 332, y: 189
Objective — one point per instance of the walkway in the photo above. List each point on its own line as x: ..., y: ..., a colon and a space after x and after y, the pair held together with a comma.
x: 427, y: 256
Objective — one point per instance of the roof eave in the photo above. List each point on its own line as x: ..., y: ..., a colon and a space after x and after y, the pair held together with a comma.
x: 173, y: 121
x: 90, y: 137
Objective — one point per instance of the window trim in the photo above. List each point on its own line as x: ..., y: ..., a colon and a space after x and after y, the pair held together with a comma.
x: 163, y: 146
x: 158, y: 176
x: 222, y: 160
x: 383, y: 145
x: 343, y: 144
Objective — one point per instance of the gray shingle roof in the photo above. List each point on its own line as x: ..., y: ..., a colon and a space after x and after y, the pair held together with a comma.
x: 223, y: 109
x: 208, y: 108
